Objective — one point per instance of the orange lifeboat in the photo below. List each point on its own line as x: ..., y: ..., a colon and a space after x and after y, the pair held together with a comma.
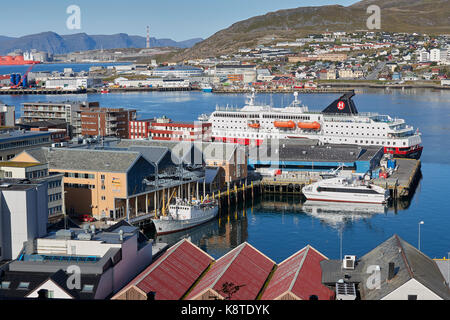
x: 255, y: 125
x: 284, y: 124
x: 309, y: 125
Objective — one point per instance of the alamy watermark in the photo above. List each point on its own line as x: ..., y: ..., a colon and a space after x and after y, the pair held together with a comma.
x: 374, y: 280
x: 74, y: 280
x: 73, y: 22
x: 374, y: 21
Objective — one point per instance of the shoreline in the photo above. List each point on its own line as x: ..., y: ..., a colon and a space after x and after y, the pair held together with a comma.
x: 330, y: 88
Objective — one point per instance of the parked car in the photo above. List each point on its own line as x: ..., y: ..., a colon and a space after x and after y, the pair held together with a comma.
x: 87, y: 218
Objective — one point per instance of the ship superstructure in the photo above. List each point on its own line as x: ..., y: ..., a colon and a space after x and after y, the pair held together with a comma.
x: 339, y: 123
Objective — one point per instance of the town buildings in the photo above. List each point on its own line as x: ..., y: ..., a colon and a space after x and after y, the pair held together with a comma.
x: 72, y: 83
x: 106, y: 260
x: 15, y: 141
x: 7, y: 115
x: 23, y: 215
x: 402, y: 273
x: 84, y: 118
x: 96, y: 121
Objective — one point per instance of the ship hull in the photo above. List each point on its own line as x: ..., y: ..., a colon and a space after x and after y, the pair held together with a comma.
x: 350, y: 197
x: 167, y: 226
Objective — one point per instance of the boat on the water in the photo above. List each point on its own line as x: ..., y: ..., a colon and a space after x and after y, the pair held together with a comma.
x: 206, y: 87
x: 185, y: 214
x: 346, y: 189
x: 340, y: 123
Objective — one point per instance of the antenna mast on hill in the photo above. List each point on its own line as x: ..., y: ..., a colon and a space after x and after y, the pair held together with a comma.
x: 148, y: 37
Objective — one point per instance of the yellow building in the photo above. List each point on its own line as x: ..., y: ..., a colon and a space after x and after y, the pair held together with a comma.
x: 108, y: 183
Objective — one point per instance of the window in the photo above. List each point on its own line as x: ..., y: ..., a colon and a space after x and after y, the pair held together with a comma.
x: 88, y: 288
x: 412, y: 297
x: 5, y: 285
x: 23, y: 285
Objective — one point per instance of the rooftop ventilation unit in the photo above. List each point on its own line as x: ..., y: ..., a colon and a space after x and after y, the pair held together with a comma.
x: 345, y: 291
x: 349, y: 262
x: 84, y: 236
x: 64, y: 234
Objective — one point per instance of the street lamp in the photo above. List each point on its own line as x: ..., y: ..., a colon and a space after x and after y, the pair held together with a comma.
x: 421, y: 222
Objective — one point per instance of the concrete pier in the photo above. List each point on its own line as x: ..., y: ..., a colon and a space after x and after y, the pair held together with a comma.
x: 27, y: 91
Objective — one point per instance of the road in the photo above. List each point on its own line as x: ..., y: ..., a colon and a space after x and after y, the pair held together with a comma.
x: 374, y: 74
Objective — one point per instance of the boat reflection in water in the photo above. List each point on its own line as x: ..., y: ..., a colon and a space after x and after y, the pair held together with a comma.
x: 216, y: 237
x: 195, y: 235
x: 335, y: 214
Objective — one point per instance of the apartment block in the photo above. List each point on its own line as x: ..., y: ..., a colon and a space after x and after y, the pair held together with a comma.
x: 97, y: 121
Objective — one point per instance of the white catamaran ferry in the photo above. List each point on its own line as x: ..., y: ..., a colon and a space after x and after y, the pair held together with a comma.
x: 185, y: 214
x: 339, y: 123
x: 346, y: 189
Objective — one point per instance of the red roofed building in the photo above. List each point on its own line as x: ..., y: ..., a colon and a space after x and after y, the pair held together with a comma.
x: 243, y: 269
x: 171, y: 276
x: 298, y: 278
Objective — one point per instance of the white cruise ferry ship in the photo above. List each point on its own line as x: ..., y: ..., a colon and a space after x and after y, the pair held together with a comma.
x: 339, y: 123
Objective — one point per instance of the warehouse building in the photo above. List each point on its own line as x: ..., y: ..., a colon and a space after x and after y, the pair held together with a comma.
x: 288, y: 157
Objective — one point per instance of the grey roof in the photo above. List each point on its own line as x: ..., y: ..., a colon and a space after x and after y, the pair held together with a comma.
x: 444, y: 267
x: 87, y: 159
x: 211, y: 173
x: 19, y: 135
x: 154, y: 154
x: 36, y: 279
x: 325, y: 153
x: 40, y: 154
x: 409, y: 264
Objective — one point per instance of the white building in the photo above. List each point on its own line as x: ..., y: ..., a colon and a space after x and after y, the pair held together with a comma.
x: 105, y: 260
x: 154, y: 83
x: 8, y: 115
x: 245, y: 73
x: 177, y: 71
x: 395, y: 270
x: 424, y: 56
x: 72, y: 83
x: 435, y: 55
x: 23, y: 216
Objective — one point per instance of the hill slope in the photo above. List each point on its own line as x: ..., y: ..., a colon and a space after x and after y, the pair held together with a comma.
x: 425, y: 16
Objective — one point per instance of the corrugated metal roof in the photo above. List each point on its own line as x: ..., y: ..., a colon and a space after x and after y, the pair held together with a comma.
x: 174, y: 272
x: 301, y: 275
x: 244, y: 267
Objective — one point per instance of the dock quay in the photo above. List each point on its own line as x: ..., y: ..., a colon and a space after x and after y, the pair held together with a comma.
x: 402, y: 183
x: 140, y: 89
x: 21, y: 91
x: 287, y: 90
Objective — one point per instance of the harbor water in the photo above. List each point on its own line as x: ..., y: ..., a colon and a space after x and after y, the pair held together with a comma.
x: 280, y: 225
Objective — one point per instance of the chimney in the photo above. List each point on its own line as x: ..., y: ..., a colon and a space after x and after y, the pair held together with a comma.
x: 148, y: 37
x: 391, y: 272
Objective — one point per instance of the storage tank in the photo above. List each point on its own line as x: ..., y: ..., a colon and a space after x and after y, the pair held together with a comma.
x: 25, y: 82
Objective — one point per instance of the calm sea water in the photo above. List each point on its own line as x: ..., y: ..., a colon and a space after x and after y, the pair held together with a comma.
x: 281, y: 226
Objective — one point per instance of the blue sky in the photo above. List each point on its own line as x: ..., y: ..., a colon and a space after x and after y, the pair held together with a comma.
x: 175, y: 19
